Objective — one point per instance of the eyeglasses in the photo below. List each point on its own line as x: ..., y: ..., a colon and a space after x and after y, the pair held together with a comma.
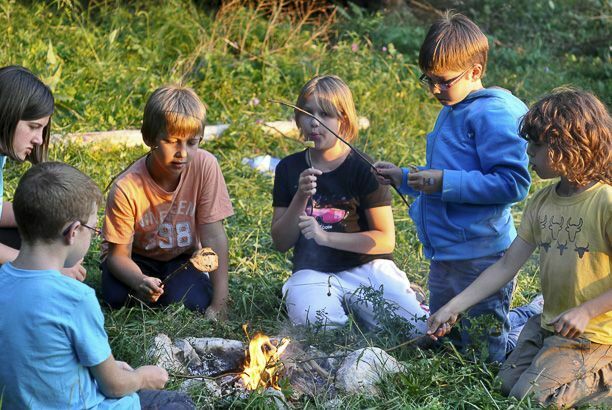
x: 96, y: 231
x: 442, y: 85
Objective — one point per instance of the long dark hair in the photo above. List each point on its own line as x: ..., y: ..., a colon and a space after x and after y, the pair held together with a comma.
x: 23, y: 97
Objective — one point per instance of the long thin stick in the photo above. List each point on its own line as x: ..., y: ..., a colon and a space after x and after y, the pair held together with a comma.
x: 177, y: 270
x: 355, y: 150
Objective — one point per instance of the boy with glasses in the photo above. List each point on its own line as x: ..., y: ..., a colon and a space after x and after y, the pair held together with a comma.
x: 476, y: 167
x: 55, y: 352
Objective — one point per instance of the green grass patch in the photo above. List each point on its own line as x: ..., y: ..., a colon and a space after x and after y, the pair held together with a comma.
x: 103, y: 61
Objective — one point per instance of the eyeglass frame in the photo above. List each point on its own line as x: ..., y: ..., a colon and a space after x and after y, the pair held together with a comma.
x: 425, y: 80
x: 96, y: 231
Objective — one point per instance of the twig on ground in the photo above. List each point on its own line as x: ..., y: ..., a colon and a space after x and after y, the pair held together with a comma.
x: 408, y: 342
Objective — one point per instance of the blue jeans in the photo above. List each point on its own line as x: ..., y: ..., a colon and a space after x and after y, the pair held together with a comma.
x: 518, y: 318
x: 190, y: 286
x: 449, y: 278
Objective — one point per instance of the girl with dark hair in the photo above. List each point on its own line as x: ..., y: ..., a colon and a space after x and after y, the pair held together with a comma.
x: 26, y: 107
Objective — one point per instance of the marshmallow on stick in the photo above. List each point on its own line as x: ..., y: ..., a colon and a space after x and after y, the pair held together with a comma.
x: 204, y: 260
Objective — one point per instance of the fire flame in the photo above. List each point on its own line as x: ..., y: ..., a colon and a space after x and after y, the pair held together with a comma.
x: 262, y: 365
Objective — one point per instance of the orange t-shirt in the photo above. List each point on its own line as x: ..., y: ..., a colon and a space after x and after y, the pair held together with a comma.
x: 163, y: 225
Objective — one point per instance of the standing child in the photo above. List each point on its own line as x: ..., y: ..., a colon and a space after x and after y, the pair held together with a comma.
x: 476, y: 168
x: 164, y: 207
x: 564, y: 356
x: 329, y: 207
x: 55, y: 352
x: 26, y: 106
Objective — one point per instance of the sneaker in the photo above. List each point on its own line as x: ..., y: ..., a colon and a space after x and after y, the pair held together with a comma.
x: 537, y: 304
x: 421, y: 297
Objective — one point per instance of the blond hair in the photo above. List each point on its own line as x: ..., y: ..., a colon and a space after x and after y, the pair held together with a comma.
x: 333, y: 96
x: 453, y: 43
x: 51, y: 195
x: 578, y: 130
x: 172, y: 111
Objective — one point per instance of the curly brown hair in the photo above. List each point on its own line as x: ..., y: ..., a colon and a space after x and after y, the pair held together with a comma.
x: 577, y: 126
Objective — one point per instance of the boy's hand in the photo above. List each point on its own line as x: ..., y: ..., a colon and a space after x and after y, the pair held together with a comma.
x: 312, y: 230
x: 216, y: 311
x: 307, y: 184
x: 152, y: 377
x: 388, y: 173
x: 77, y: 272
x: 440, y: 323
x: 427, y: 181
x: 571, y: 323
x: 150, y: 289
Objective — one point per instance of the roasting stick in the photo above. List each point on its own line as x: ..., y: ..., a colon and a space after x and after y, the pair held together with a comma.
x: 355, y: 150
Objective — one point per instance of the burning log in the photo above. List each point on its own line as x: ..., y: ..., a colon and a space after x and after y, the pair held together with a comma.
x: 262, y: 364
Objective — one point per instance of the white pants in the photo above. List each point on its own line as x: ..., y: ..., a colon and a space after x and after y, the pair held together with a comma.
x: 314, y: 297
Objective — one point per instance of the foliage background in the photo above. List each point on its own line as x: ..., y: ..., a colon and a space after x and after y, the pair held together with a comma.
x: 103, y: 58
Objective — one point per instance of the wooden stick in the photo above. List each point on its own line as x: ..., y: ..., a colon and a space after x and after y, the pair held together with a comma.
x: 414, y: 339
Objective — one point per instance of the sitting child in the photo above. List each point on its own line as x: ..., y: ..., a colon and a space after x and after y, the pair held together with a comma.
x: 563, y: 356
x: 55, y: 352
x: 164, y: 207
x: 329, y: 207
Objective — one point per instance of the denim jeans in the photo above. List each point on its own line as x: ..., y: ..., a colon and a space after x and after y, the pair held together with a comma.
x: 518, y: 318
x: 449, y: 278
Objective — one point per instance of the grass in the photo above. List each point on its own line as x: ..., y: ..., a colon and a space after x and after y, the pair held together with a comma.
x: 102, y: 62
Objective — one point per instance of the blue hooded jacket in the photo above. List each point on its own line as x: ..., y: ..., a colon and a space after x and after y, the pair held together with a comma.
x: 476, y: 144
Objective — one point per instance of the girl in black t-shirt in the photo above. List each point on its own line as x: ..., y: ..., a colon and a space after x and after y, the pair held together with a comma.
x: 330, y: 208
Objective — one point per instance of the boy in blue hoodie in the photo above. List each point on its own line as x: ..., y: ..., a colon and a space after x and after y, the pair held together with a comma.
x: 476, y: 168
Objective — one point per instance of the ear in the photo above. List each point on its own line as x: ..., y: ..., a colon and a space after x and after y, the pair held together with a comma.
x: 70, y: 233
x: 476, y: 72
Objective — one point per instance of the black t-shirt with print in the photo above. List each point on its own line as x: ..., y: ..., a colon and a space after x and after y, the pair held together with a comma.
x: 339, y: 205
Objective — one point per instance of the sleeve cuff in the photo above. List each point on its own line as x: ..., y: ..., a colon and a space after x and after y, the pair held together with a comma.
x: 451, y: 185
x: 404, y: 188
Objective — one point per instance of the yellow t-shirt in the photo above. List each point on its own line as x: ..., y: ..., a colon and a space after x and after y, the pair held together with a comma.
x: 573, y: 234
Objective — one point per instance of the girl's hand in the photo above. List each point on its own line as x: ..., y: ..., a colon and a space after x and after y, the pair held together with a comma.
x: 307, y: 184
x: 440, y: 323
x: 571, y: 323
x: 427, y: 181
x: 312, y: 230
x: 387, y: 173
x: 150, y: 289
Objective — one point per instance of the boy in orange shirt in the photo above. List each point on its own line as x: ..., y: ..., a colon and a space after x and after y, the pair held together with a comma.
x: 164, y: 207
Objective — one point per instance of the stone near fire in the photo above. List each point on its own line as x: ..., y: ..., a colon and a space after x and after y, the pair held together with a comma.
x: 187, y: 354
x: 211, y: 389
x: 363, y: 368
x: 166, y: 355
x: 217, y: 355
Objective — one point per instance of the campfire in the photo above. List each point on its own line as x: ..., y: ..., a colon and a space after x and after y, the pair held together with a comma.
x: 262, y: 364
x: 226, y: 369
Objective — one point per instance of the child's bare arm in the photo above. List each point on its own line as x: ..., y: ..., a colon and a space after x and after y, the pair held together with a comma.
x: 117, y: 380
x: 489, y: 281
x: 379, y: 239
x: 213, y: 236
x: 285, y: 230
x: 572, y: 322
x: 127, y: 271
